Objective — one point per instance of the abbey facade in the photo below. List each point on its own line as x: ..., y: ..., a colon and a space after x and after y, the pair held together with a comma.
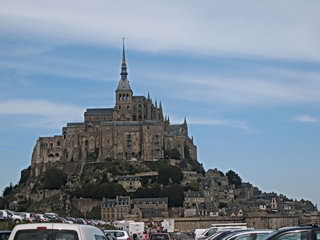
x: 135, y: 129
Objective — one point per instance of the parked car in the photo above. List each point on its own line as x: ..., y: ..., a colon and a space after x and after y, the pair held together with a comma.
x: 81, y: 221
x: 4, y: 235
x: 51, y: 216
x: 160, y: 236
x: 117, y: 234
x: 71, y: 219
x: 309, y: 232
x: 40, y: 218
x: 3, y: 215
x: 56, y: 231
x: 249, y: 234
x: 14, y: 216
x: 225, y: 233
x: 28, y: 217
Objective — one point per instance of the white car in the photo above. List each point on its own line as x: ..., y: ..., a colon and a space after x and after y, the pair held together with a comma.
x: 14, y: 216
x: 56, y: 231
x: 117, y: 234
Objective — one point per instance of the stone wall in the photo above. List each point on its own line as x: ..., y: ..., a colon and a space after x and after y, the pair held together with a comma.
x: 85, y: 205
x: 273, y: 221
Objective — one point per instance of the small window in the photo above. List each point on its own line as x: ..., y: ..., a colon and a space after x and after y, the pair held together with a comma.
x: 293, y: 236
x: 261, y: 236
x: 244, y: 237
x: 99, y: 237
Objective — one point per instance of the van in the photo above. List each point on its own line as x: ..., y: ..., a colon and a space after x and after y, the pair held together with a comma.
x: 56, y: 231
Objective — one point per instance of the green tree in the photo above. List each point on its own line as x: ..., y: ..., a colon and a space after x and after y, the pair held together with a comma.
x: 222, y: 205
x: 54, y: 178
x: 145, y: 193
x: 170, y: 174
x: 7, y: 190
x: 110, y: 190
x: 234, y: 178
x: 175, y: 195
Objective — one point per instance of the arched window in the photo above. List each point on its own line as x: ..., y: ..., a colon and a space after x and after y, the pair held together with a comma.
x: 57, y: 155
x: 58, y: 143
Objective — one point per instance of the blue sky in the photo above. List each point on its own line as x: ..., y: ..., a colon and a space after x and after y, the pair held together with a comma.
x: 246, y: 74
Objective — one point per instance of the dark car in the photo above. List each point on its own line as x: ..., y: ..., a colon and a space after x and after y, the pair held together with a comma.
x: 4, y: 235
x: 160, y: 236
x: 256, y: 234
x: 310, y: 232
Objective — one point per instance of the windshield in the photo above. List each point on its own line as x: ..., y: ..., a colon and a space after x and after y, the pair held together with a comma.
x: 46, y: 234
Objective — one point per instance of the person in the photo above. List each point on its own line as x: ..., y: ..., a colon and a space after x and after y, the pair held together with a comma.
x: 145, y: 235
x: 135, y: 236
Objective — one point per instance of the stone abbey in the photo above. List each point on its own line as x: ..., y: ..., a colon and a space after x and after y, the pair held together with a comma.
x: 135, y: 129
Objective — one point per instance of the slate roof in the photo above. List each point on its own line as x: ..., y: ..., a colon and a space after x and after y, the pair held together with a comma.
x: 99, y: 111
x: 129, y: 123
x: 138, y: 98
x: 75, y: 124
x: 124, y: 85
x: 175, y: 128
x: 150, y: 213
x: 149, y: 200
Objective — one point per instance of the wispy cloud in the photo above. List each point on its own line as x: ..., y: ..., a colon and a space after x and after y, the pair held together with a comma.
x: 40, y: 113
x: 281, y: 29
x: 272, y: 89
x: 212, y: 122
x: 307, y: 119
x: 219, y: 122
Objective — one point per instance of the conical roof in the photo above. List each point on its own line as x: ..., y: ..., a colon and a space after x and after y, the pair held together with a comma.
x: 123, y: 83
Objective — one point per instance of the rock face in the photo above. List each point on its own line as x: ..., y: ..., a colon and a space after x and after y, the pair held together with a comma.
x: 135, y: 129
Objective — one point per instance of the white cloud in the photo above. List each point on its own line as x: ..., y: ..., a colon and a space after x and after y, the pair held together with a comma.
x: 279, y: 88
x: 211, y: 122
x: 306, y: 119
x: 281, y: 29
x: 40, y: 113
x: 219, y: 122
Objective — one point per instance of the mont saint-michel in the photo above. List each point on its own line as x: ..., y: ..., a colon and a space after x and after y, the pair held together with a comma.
x: 130, y: 162
x: 134, y: 129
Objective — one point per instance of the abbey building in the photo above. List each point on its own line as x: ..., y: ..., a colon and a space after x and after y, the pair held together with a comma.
x: 135, y: 129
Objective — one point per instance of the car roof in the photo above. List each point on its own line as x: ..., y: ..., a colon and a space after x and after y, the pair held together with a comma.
x: 51, y: 226
x: 287, y: 229
x: 113, y: 230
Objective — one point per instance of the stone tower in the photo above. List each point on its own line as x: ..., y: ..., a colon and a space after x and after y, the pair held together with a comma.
x: 124, y: 102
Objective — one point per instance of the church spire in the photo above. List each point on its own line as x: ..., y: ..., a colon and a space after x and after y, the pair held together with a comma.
x: 123, y: 64
x: 123, y: 83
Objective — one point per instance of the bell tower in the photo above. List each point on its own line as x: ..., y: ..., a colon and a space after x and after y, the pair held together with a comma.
x: 124, y: 104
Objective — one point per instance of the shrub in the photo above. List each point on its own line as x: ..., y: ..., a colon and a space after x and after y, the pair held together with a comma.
x: 54, y: 178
